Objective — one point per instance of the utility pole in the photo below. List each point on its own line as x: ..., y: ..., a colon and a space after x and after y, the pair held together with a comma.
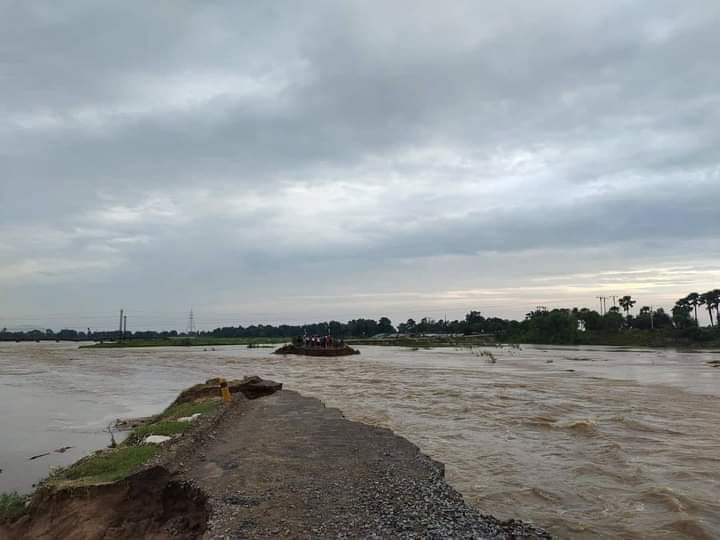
x: 603, y: 305
x: 613, y: 297
x: 124, y: 325
x: 122, y: 311
x: 652, y: 325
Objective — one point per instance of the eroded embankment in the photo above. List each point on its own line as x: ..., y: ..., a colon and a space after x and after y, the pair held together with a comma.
x: 148, y: 504
x: 137, y: 489
x: 281, y: 466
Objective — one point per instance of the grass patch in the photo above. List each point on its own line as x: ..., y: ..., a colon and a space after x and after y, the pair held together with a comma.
x: 163, y: 427
x: 118, y: 463
x: 107, y: 466
x: 166, y: 423
x: 11, y: 505
x: 188, y: 409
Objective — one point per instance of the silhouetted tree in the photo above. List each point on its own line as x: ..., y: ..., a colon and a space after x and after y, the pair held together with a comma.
x: 626, y: 302
x: 681, y: 314
x: 693, y: 299
x: 709, y: 300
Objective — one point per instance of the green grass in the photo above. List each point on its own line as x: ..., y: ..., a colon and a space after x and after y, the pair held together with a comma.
x: 183, y: 342
x: 11, y: 505
x: 163, y: 427
x: 118, y: 463
x: 106, y: 466
x: 188, y: 409
x: 166, y: 424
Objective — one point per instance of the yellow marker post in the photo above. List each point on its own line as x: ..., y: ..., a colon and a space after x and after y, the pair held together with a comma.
x: 225, y: 391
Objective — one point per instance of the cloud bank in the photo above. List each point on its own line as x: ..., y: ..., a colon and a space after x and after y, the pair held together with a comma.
x: 289, y: 162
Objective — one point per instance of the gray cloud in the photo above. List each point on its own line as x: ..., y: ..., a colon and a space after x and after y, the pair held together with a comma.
x: 239, y: 150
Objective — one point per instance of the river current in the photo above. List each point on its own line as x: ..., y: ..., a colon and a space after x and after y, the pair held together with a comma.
x: 591, y: 442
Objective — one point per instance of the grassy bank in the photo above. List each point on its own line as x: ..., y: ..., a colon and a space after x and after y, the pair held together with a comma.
x: 113, y: 464
x: 184, y: 342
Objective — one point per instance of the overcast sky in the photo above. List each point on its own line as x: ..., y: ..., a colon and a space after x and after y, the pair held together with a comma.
x: 301, y: 161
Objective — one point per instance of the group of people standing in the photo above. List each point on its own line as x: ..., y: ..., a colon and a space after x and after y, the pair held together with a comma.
x: 323, y: 342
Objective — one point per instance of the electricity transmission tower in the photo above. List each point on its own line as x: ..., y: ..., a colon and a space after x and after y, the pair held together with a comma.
x: 191, y: 323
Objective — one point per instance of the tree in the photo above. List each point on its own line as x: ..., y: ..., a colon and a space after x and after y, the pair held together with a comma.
x: 709, y: 299
x: 385, y: 326
x: 715, y: 296
x: 626, y: 302
x: 642, y: 321
x: 591, y: 318
x: 556, y: 326
x: 660, y: 319
x: 693, y: 299
x: 409, y: 327
x: 474, y: 322
x: 612, y: 321
x: 681, y: 314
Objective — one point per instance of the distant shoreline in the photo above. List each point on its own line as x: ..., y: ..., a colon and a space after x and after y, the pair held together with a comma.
x: 632, y: 338
x: 647, y: 339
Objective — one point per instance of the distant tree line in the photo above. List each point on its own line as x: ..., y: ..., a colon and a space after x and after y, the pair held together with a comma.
x: 67, y: 334
x: 562, y: 326
x: 620, y: 326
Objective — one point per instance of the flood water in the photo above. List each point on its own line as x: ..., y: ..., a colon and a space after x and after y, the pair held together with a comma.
x: 627, y: 444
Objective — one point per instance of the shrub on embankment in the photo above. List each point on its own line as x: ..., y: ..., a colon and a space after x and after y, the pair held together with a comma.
x: 11, y: 505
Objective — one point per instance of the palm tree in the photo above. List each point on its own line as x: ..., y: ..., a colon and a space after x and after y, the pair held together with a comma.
x: 626, y: 302
x: 681, y: 313
x: 708, y: 299
x: 715, y: 296
x: 693, y: 299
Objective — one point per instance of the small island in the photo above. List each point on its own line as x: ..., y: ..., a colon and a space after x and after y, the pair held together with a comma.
x: 317, y: 346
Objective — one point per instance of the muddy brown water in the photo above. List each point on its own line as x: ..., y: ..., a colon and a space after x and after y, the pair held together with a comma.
x: 588, y: 442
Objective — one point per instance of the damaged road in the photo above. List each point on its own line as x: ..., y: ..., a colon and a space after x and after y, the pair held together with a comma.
x: 283, y: 466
